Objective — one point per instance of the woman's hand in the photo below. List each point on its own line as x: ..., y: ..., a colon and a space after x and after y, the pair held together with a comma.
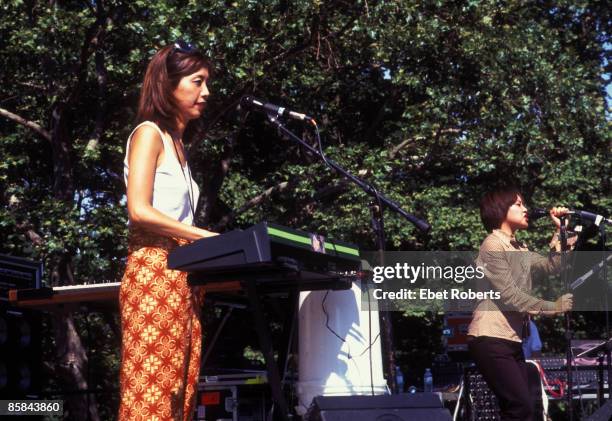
x: 564, y: 303
x: 206, y: 234
x: 556, y: 213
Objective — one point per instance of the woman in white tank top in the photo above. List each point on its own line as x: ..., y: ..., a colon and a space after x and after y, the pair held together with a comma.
x: 161, y: 332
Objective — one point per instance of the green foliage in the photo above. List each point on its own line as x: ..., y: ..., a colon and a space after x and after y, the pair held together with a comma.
x: 475, y: 93
x: 433, y: 102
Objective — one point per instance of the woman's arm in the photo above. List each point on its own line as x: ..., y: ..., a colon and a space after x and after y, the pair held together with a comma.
x: 500, y: 268
x: 543, y: 266
x: 145, y: 151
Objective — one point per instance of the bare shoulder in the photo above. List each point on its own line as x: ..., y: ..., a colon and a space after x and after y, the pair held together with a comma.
x: 146, y: 140
x: 147, y: 134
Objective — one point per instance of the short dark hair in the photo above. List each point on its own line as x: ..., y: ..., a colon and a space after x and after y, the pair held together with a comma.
x: 164, y: 72
x: 495, y: 204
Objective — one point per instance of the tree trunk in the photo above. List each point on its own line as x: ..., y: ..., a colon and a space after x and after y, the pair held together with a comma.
x: 71, y: 369
x: 71, y: 362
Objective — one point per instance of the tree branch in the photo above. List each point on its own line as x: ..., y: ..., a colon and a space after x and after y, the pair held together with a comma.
x: 312, y: 40
x: 102, y: 78
x: 285, y: 185
x: 32, y: 235
x: 31, y: 85
x: 16, y: 209
x: 410, y: 140
x: 27, y: 123
x: 403, y: 144
x: 380, y: 114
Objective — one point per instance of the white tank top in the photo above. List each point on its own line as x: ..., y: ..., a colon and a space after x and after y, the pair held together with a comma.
x: 171, y: 194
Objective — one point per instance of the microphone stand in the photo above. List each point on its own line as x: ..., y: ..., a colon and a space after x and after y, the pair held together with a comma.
x: 365, y: 186
x: 608, y: 348
x: 605, y: 348
x: 377, y: 224
x: 601, y: 351
x: 568, y: 320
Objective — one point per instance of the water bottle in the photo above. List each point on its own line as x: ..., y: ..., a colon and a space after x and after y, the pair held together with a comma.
x: 427, y: 381
x: 399, y: 380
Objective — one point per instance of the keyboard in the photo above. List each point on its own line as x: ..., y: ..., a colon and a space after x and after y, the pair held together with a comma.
x: 583, y: 376
x: 274, y: 256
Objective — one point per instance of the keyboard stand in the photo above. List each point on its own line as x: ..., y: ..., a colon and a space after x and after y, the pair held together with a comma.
x: 254, y: 286
x: 263, y: 334
x: 259, y: 282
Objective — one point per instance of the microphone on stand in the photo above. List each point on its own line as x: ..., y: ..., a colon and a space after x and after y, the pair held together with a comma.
x: 259, y: 105
x: 590, y: 216
x: 538, y: 213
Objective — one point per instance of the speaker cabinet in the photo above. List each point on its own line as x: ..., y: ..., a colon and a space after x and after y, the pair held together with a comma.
x: 404, y: 407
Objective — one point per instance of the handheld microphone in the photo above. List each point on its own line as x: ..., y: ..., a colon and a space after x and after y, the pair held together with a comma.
x: 260, y: 105
x: 538, y: 213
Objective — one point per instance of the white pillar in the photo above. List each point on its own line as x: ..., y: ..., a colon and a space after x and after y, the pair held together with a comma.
x: 331, y: 365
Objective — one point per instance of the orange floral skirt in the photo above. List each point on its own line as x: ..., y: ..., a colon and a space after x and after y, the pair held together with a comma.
x: 161, y: 334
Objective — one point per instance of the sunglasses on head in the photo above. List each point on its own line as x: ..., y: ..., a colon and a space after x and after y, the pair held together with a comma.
x: 183, y: 47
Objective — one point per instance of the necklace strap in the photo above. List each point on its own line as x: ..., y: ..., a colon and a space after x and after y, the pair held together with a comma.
x: 189, y: 182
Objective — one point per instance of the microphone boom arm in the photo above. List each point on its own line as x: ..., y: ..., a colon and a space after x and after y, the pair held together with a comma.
x: 364, y: 185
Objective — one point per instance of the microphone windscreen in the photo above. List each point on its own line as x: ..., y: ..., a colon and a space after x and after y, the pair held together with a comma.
x: 537, y: 213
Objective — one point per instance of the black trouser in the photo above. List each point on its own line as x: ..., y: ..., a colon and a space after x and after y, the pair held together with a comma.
x: 502, y: 364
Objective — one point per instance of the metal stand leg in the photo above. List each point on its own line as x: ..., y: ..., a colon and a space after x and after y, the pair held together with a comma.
x: 266, y: 347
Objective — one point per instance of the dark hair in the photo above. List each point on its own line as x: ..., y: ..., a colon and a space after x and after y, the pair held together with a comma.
x: 495, y: 204
x: 163, y: 75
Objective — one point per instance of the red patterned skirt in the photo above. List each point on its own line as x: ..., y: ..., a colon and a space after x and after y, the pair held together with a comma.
x: 162, y: 336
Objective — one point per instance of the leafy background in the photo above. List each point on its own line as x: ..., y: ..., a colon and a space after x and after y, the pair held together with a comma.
x: 434, y: 102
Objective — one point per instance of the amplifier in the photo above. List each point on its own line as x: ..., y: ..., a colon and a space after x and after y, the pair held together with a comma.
x: 455, y: 330
x: 241, y: 396
x: 18, y: 273
x: 482, y: 403
x: 403, y: 407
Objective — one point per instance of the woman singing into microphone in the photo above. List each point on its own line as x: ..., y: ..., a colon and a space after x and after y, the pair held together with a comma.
x: 498, y: 326
x: 161, y: 333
